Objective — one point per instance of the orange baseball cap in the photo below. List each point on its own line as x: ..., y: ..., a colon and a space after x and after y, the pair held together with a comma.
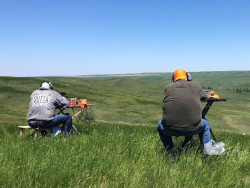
x: 180, y: 74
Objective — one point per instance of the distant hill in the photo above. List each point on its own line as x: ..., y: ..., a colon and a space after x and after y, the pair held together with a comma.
x: 215, y: 79
x: 133, y: 98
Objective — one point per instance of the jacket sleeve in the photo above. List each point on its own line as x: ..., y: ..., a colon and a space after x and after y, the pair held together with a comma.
x: 200, y: 91
x: 61, y: 102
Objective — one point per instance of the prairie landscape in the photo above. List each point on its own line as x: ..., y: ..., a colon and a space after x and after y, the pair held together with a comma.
x: 121, y: 148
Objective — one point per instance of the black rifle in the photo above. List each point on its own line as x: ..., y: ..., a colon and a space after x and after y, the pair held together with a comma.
x: 64, y: 94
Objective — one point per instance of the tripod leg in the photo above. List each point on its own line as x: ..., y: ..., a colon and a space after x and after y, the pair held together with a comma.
x: 75, y: 129
x: 212, y: 134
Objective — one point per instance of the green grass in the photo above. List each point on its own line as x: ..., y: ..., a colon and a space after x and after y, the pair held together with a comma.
x: 118, y: 155
x: 123, y: 149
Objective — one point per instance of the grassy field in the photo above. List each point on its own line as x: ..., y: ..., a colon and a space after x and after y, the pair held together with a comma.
x: 122, y: 148
x: 118, y: 155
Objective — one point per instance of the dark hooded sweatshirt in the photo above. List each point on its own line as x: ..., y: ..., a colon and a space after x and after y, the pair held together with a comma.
x: 181, y: 107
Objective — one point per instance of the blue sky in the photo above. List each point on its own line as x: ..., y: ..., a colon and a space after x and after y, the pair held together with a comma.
x: 77, y: 37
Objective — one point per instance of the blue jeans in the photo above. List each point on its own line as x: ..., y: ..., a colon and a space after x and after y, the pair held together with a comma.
x: 65, y: 119
x: 204, y: 134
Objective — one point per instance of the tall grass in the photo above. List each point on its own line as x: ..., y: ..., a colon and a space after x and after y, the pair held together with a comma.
x: 118, y: 155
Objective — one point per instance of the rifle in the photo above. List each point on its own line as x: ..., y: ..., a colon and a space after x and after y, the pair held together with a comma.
x: 74, y: 102
x: 64, y: 94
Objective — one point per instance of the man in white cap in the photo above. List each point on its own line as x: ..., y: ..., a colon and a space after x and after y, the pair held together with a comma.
x: 43, y: 103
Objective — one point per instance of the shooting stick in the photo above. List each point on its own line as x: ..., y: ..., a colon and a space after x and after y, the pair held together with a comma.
x: 75, y: 129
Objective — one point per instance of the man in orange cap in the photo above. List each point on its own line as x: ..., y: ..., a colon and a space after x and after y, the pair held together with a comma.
x: 182, y: 114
